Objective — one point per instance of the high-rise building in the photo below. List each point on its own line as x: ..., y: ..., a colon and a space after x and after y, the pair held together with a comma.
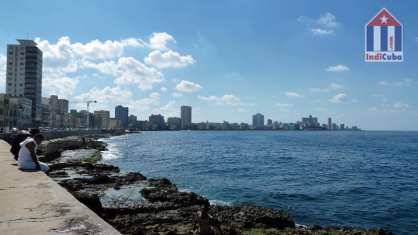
x: 101, y: 119
x: 310, y: 122
x: 24, y: 75
x: 329, y: 124
x: 186, y: 117
x: 20, y: 112
x: 4, y: 113
x: 157, y: 122
x: 270, y: 123
x: 57, y: 111
x: 122, y: 115
x: 174, y: 123
x: 258, y: 121
x: 132, y: 122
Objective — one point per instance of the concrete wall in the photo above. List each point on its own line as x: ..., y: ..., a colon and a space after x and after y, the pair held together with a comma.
x: 32, y: 203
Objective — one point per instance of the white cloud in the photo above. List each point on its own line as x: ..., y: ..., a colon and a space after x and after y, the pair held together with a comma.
x: 228, y: 99
x: 407, y: 82
x: 107, y: 94
x: 62, y: 86
x: 145, y: 104
x: 284, y: 107
x: 170, y: 109
x: 331, y: 87
x: 66, y: 56
x: 188, y: 86
x: 391, y: 107
x: 338, y: 68
x: 163, y: 89
x: 327, y: 20
x: 159, y: 41
x: 293, y: 94
x: 176, y: 94
x: 168, y: 59
x: 325, y: 25
x: 108, y: 97
x: 320, y: 31
x: 65, y: 59
x: 339, y: 98
x: 128, y: 71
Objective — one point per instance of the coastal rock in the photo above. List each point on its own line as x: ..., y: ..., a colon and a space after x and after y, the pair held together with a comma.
x: 251, y: 217
x: 52, y: 149
x: 134, y: 204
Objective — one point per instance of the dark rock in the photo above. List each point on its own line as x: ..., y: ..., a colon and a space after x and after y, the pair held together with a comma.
x: 91, y: 200
x: 251, y: 217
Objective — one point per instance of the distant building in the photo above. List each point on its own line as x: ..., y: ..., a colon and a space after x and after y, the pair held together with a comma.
x: 186, y: 117
x: 174, y: 123
x: 329, y: 124
x: 310, y: 122
x: 20, y: 111
x: 244, y: 126
x: 270, y: 123
x: 4, y: 113
x: 276, y: 125
x: 258, y: 121
x: 87, y: 119
x: 24, y: 75
x: 45, y: 112
x: 132, y: 121
x: 342, y: 126
x: 114, y: 124
x: 122, y: 114
x: 157, y: 122
x: 101, y: 119
x: 74, y: 119
x: 57, y: 110
x: 144, y: 125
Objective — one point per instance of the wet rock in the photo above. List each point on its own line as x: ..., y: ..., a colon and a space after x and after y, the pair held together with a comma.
x: 91, y: 200
x: 251, y: 217
x: 79, y: 155
x: 52, y: 149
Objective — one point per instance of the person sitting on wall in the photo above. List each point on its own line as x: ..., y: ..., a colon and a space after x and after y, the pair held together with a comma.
x: 19, y: 138
x: 27, y: 154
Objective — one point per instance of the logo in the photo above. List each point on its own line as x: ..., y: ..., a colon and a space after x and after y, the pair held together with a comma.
x: 384, y: 39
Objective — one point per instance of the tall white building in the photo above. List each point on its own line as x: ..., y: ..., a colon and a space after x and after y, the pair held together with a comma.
x: 24, y: 75
x: 186, y: 117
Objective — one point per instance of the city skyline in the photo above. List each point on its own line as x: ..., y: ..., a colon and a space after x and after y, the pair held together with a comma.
x: 307, y: 60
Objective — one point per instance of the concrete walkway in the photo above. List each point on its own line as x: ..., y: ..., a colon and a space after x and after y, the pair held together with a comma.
x: 32, y: 203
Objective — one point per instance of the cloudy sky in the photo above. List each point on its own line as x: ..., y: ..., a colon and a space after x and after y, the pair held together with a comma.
x: 228, y: 59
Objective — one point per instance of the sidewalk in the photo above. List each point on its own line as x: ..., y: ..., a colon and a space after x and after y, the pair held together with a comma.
x: 32, y: 203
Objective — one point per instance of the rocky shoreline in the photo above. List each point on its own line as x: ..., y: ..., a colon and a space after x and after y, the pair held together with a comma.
x: 134, y: 204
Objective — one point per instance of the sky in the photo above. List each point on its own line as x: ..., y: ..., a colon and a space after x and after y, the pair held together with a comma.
x: 227, y: 59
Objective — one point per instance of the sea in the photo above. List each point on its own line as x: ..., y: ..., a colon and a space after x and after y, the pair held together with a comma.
x: 364, y: 179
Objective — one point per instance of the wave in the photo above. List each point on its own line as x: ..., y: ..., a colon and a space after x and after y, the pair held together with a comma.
x: 219, y: 203
x: 112, y: 152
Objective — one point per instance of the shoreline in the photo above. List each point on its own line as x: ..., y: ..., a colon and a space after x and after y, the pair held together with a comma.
x: 134, y: 204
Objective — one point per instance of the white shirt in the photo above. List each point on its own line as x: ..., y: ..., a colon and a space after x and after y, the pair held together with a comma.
x: 25, y: 156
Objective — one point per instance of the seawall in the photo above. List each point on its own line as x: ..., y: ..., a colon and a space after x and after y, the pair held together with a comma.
x: 32, y: 203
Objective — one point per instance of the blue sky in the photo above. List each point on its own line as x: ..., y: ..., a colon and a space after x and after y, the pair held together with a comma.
x: 228, y: 59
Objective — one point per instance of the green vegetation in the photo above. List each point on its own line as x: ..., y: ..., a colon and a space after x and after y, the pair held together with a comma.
x: 93, y: 158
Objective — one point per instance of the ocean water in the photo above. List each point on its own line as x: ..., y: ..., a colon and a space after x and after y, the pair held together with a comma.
x: 362, y: 179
